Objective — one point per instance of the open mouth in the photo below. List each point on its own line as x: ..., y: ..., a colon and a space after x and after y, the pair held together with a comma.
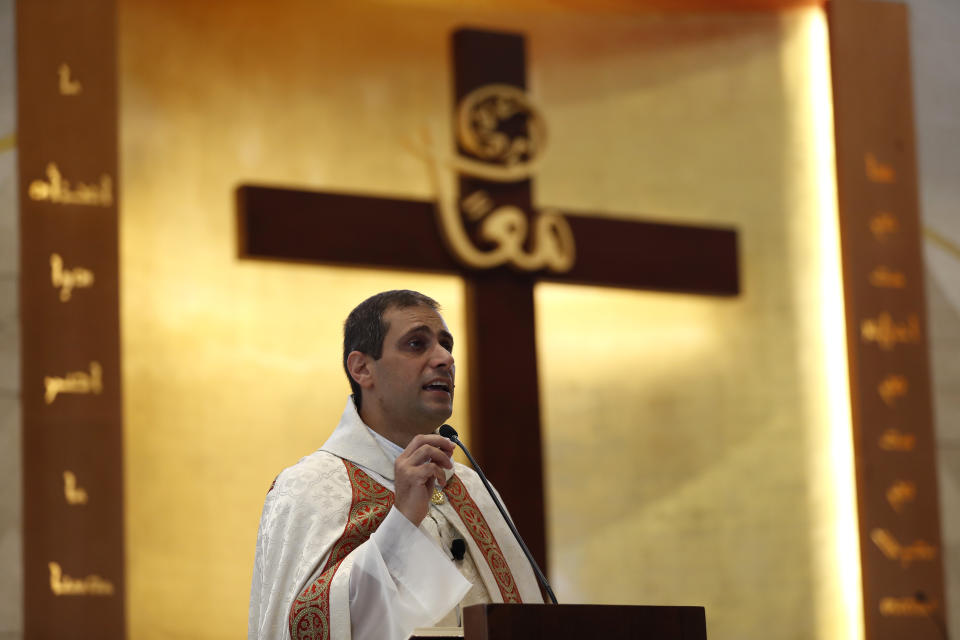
x: 438, y: 386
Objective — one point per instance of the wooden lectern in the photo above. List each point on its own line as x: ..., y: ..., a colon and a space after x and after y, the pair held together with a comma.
x: 574, y: 621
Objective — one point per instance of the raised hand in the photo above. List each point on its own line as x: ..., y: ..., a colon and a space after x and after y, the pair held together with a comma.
x: 417, y: 471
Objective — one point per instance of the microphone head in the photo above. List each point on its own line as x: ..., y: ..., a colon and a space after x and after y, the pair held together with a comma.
x: 447, y: 432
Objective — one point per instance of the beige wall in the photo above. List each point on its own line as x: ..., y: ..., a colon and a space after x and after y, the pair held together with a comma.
x: 684, y: 435
x: 11, y: 578
x: 934, y: 25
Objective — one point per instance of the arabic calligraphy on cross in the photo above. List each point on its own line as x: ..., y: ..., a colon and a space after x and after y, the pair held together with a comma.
x: 548, y: 242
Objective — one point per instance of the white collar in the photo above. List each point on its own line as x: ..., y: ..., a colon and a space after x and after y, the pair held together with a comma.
x: 391, y: 448
x: 353, y: 440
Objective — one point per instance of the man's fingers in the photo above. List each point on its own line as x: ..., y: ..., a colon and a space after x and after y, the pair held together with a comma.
x: 428, y: 453
x: 446, y: 445
x: 424, y: 463
x: 440, y: 457
x: 433, y: 440
x: 420, y: 470
x: 423, y: 472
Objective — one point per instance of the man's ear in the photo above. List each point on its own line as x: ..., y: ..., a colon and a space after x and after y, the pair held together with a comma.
x: 358, y: 364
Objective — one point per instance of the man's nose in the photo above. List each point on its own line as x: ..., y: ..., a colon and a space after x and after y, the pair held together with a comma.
x: 442, y: 357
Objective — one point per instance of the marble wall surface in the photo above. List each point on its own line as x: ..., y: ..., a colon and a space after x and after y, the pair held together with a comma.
x: 936, y: 83
x: 11, y: 579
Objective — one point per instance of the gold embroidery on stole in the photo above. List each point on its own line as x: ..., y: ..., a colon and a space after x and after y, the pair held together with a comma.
x: 310, y: 613
x: 473, y: 518
x: 371, y: 501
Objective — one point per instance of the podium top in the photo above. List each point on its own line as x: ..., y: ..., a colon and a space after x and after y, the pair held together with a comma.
x: 610, y: 622
x: 438, y: 633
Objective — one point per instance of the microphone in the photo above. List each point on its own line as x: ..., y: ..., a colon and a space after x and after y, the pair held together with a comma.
x: 450, y: 433
x: 458, y: 548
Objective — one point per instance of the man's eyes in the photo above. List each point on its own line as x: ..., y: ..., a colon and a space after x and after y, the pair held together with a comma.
x: 418, y: 344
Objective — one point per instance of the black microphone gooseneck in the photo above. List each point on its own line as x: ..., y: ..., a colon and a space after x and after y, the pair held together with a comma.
x: 451, y: 434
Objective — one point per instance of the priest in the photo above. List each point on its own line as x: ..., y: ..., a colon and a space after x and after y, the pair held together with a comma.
x: 380, y: 532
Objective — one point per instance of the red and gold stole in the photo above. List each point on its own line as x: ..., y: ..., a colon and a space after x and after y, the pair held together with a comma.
x: 371, y: 501
x: 310, y: 613
x: 471, y: 515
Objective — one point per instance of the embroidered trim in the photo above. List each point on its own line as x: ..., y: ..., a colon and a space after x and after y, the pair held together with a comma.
x: 310, y: 613
x: 471, y: 515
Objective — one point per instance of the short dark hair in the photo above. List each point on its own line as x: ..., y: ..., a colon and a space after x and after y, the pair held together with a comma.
x: 364, y: 329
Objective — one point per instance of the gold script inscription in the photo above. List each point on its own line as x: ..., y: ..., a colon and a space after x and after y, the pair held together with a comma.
x: 505, y: 234
x: 79, y: 382
x: 904, y: 607
x: 919, y: 550
x: 68, y: 86
x: 883, y: 224
x: 895, y: 440
x: 506, y: 227
x: 75, y: 494
x: 900, y: 493
x: 877, y: 171
x: 885, y: 278
x: 64, y: 585
x: 887, y: 333
x: 58, y: 191
x: 477, y: 204
x: 479, y: 118
x: 68, y: 279
x: 892, y: 388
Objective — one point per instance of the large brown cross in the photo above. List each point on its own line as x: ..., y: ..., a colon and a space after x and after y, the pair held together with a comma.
x: 343, y: 229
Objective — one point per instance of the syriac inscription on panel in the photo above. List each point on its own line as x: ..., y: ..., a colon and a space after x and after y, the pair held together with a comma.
x: 901, y: 493
x: 896, y: 440
x: 66, y: 280
x: 888, y: 333
x: 892, y: 388
x: 883, y: 225
x: 905, y: 555
x: 58, y: 190
x: 68, y: 85
x: 77, y: 382
x: 67, y: 168
x: 877, y: 171
x: 906, y: 607
x: 886, y: 278
x: 894, y: 458
x: 73, y: 492
x: 63, y: 585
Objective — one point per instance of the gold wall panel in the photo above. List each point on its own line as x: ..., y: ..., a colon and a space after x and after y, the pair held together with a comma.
x: 680, y: 430
x: 695, y: 445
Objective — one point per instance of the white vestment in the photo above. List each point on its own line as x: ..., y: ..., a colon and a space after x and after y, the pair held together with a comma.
x: 334, y: 559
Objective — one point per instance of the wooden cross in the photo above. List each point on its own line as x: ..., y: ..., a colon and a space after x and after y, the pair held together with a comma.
x: 343, y: 229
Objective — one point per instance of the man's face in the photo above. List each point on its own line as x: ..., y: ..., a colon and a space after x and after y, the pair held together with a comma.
x: 413, y: 379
